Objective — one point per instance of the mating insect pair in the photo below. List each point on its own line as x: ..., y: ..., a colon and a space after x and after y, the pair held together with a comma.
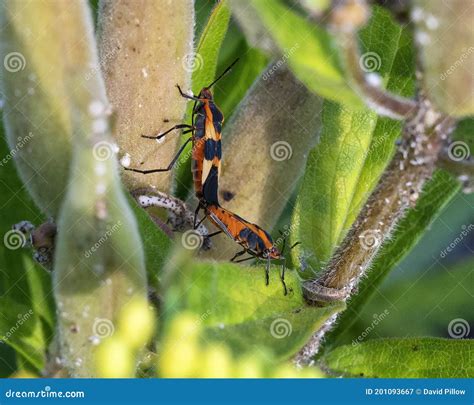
x: 206, y: 128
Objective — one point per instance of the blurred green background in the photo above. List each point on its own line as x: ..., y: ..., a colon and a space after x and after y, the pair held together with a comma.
x: 422, y: 295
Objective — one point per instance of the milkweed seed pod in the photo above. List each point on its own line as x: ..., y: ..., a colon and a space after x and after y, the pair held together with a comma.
x: 445, y: 38
x: 145, y: 49
x: 99, y: 261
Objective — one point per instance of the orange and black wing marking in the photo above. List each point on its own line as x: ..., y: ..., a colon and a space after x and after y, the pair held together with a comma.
x: 197, y: 158
x: 250, y: 236
x: 206, y: 131
x: 207, y: 149
x: 212, y: 152
x: 254, y: 240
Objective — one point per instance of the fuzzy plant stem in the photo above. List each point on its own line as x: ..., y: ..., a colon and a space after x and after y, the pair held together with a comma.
x: 381, y: 101
x: 463, y: 169
x: 399, y: 188
x: 422, y: 149
x: 345, y: 19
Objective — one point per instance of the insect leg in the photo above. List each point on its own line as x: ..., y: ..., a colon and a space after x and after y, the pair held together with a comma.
x: 186, y: 95
x: 247, y: 258
x: 267, y: 272
x: 213, y: 234
x: 196, y: 213
x: 284, y: 246
x: 239, y: 254
x: 282, y: 277
x: 170, y: 166
x: 252, y: 256
x: 162, y: 134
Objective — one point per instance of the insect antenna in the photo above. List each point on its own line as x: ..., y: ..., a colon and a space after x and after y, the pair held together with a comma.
x: 294, y: 245
x: 223, y: 73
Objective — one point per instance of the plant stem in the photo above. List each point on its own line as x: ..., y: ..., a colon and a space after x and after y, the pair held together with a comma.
x: 383, y: 102
x: 398, y: 189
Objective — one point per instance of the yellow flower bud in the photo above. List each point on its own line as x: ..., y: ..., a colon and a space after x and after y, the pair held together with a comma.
x: 216, y: 363
x: 179, y: 360
x: 114, y: 359
x: 23, y: 374
x: 136, y: 323
x: 248, y: 367
x: 286, y: 371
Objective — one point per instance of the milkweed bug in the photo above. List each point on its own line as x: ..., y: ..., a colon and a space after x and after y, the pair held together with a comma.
x: 206, y: 128
x: 254, y: 240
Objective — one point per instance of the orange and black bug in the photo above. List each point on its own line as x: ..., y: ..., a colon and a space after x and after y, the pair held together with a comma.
x: 254, y: 240
x: 206, y: 128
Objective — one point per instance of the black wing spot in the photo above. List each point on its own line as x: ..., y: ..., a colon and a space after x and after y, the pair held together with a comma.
x: 211, y: 149
x: 228, y: 195
x: 244, y: 233
x: 217, y: 116
x: 210, y: 187
x: 253, y: 240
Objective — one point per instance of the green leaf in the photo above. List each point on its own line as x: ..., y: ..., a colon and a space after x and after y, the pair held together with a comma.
x: 354, y: 148
x: 283, y: 334
x: 7, y: 361
x: 447, y: 293
x: 464, y: 131
x: 404, y: 358
x: 309, y: 50
x: 156, y: 243
x: 39, y: 282
x: 24, y: 286
x: 233, y: 87
x: 209, y: 45
x: 330, y: 181
x: 207, y: 52
x: 437, y: 193
x: 238, y: 309
x: 21, y: 328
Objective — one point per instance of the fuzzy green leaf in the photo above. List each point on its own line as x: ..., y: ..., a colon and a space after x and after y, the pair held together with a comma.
x: 232, y: 88
x: 354, y: 148
x: 244, y: 313
x: 209, y: 45
x: 310, y: 51
x: 404, y: 358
